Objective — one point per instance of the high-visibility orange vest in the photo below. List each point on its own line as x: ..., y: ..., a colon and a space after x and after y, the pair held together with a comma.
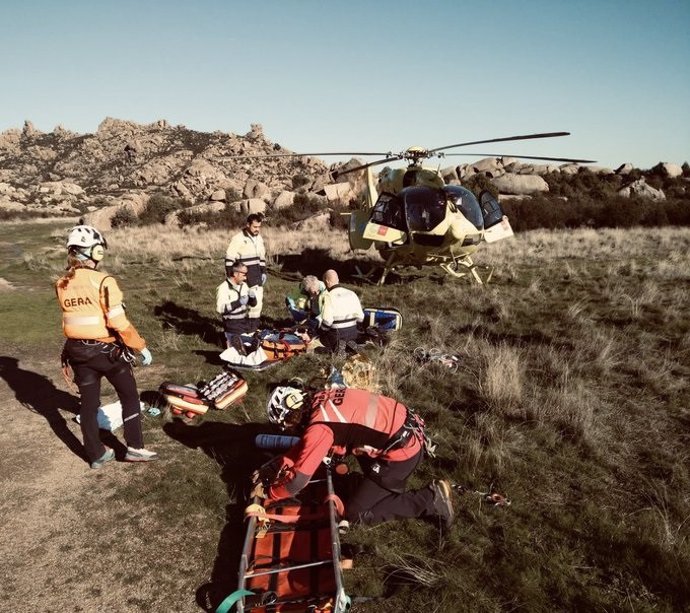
x: 92, y: 309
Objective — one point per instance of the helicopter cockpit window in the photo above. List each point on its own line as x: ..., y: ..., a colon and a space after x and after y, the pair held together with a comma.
x: 388, y: 212
x: 491, y: 210
x: 425, y: 208
x: 465, y: 202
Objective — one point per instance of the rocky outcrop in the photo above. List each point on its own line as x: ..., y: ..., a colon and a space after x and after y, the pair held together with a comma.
x: 338, y: 192
x: 101, y: 217
x: 284, y: 199
x: 124, y: 163
x: 642, y: 189
x: 63, y: 172
x: 511, y: 183
x: 668, y: 170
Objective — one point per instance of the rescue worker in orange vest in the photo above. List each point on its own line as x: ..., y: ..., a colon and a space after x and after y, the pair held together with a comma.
x: 100, y: 343
x: 386, y: 438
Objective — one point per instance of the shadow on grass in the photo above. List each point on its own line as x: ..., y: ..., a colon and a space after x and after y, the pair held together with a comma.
x: 188, y: 321
x: 232, y: 447
x: 38, y: 394
x: 353, y: 271
x: 211, y: 357
x: 316, y: 262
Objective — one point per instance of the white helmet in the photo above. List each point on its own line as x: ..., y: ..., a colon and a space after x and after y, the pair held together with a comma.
x: 282, y: 402
x: 85, y: 237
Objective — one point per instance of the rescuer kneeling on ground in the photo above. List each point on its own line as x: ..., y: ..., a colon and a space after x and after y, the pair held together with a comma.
x: 99, y: 344
x: 305, y: 303
x: 387, y: 439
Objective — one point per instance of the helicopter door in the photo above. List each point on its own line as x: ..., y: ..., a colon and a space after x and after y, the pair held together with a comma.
x: 386, y: 223
x: 357, y: 224
x: 496, y: 224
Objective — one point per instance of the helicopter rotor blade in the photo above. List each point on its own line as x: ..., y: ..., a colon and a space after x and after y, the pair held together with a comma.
x: 502, y: 140
x: 524, y: 157
x: 393, y: 158
x: 297, y: 155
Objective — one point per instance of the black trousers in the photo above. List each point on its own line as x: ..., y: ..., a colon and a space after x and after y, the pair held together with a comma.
x: 382, y: 496
x: 89, y: 368
x: 332, y: 338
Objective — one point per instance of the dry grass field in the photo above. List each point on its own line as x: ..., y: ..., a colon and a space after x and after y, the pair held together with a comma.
x: 572, y: 397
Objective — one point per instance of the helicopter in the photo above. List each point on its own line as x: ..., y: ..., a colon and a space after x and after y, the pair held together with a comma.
x: 413, y: 218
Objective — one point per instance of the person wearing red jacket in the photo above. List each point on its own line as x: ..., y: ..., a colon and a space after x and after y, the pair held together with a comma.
x: 100, y: 341
x: 386, y: 438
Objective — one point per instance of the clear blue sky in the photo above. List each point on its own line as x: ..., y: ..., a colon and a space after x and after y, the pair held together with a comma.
x: 362, y: 75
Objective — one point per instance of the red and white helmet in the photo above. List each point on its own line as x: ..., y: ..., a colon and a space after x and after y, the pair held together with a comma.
x: 85, y: 237
x: 284, y: 402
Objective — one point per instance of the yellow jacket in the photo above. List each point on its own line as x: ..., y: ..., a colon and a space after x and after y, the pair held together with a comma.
x: 92, y: 309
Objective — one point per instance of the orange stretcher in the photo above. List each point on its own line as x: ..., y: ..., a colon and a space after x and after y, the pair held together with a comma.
x: 291, y: 555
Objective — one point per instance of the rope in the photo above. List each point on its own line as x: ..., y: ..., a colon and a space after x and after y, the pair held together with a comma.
x: 493, y: 498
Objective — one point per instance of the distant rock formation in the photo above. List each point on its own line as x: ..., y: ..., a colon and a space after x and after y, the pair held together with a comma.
x: 124, y: 163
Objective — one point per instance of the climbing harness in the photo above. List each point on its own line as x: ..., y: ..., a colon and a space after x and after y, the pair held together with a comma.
x: 415, y: 426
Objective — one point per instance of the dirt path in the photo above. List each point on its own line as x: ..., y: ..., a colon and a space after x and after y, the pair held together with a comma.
x: 53, y: 560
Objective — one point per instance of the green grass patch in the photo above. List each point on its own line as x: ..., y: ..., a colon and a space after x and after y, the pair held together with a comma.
x: 571, y: 397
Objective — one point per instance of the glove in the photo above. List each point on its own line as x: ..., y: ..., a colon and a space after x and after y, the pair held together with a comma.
x: 146, y: 357
x: 244, y: 299
x: 264, y: 278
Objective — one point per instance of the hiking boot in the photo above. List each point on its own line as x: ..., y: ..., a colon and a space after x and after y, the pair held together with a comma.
x: 108, y: 455
x: 140, y: 455
x: 443, y: 502
x: 352, y: 346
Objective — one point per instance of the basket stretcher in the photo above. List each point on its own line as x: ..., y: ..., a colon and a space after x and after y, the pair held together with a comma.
x: 291, y: 555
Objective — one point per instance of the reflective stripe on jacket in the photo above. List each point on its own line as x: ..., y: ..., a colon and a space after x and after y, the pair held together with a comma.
x: 228, y: 300
x: 92, y: 309
x: 250, y: 251
x: 341, y: 309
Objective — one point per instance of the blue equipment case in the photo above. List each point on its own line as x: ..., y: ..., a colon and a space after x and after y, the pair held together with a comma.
x: 386, y: 319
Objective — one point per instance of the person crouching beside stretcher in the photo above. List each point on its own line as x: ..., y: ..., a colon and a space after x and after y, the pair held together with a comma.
x: 341, y: 315
x: 387, y: 439
x: 233, y: 300
x: 305, y: 303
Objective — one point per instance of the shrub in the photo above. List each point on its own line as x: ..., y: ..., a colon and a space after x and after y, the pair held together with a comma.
x: 600, y: 211
x: 478, y: 183
x: 230, y: 217
x: 300, y: 180
x: 232, y: 195
x: 124, y: 217
x: 158, y: 207
x: 305, y: 205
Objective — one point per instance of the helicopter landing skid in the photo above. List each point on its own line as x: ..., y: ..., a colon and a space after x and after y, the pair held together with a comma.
x: 364, y: 276
x: 368, y: 277
x: 460, y: 269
